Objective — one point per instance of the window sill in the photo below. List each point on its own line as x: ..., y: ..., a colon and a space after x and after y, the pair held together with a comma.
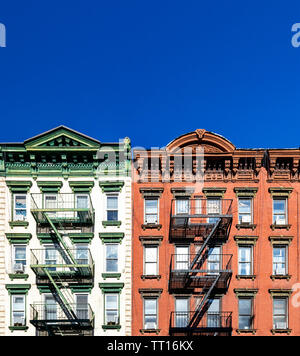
x: 151, y: 226
x: 109, y: 327
x: 13, y: 276
x: 239, y: 276
x: 111, y: 223
x: 246, y: 226
x: 276, y: 226
x: 154, y: 276
x: 281, y: 331
x: 246, y: 331
x: 16, y: 328
x: 111, y: 275
x: 150, y: 331
x: 282, y: 276
x: 18, y: 223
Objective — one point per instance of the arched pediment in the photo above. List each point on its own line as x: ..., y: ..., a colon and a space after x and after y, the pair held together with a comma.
x: 211, y: 142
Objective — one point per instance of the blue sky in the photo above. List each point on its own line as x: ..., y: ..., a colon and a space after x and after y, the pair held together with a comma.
x: 151, y: 70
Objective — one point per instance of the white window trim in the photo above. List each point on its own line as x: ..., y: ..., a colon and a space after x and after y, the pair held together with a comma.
x: 157, y: 259
x: 151, y: 198
x: 105, y: 259
x: 14, y: 215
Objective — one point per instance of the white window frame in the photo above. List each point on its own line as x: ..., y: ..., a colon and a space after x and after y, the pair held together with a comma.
x: 144, y: 312
x: 118, y: 257
x: 286, y: 312
x: 14, y: 217
x: 13, y: 262
x: 117, y: 318
x: 157, y: 211
x: 146, y: 262
x: 13, y: 296
x: 251, y: 210
x: 285, y: 261
x: 241, y: 263
x: 285, y: 212
x: 115, y: 195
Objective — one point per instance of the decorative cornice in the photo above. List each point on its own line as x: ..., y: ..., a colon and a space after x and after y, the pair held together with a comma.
x: 18, y: 185
x: 50, y: 186
x: 245, y: 240
x: 81, y: 186
x: 280, y: 191
x: 111, y: 237
x: 151, y: 191
x: 245, y: 191
x: 111, y: 186
x: 18, y: 288
x: 214, y: 191
x: 111, y: 287
x: 18, y: 238
x: 280, y: 240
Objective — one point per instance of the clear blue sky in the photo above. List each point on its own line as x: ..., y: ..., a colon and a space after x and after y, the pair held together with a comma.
x: 151, y: 70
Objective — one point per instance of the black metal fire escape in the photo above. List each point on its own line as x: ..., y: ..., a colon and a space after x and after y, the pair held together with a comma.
x: 204, y: 224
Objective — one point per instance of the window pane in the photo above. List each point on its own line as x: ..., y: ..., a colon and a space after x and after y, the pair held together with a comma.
x: 150, y: 254
x: 245, y: 306
x: 245, y: 206
x: 182, y: 206
x: 82, y: 202
x: 112, y: 203
x: 151, y: 206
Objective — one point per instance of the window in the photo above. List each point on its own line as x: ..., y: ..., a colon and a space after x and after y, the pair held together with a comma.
x: 245, y: 211
x: 182, y: 312
x: 213, y: 208
x: 19, y: 258
x: 214, y: 259
x: 182, y: 257
x: 18, y: 310
x: 280, y: 318
x: 150, y: 260
x: 20, y: 211
x: 51, y: 203
x: 82, y: 254
x: 182, y: 206
x: 82, y: 202
x: 213, y: 313
x: 50, y: 257
x: 111, y: 258
x: 112, y: 207
x: 111, y: 309
x: 82, y: 308
x: 245, y: 261
x: 245, y: 313
x: 151, y: 211
x: 279, y: 260
x: 280, y: 211
x: 50, y: 307
x: 150, y: 313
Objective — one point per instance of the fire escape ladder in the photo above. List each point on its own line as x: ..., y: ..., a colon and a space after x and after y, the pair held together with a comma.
x: 199, y: 310
x: 64, y: 300
x: 60, y: 238
x: 211, y: 234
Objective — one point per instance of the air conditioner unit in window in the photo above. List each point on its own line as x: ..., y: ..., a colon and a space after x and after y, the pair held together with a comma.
x: 150, y: 326
x: 19, y: 268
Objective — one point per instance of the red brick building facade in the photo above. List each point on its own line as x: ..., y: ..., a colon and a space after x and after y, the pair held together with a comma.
x: 215, y: 239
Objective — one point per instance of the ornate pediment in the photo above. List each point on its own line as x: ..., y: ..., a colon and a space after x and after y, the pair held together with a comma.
x: 61, y: 138
x: 209, y: 141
